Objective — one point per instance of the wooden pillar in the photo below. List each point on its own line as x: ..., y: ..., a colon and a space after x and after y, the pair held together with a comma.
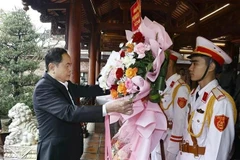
x: 98, y: 54
x: 98, y: 62
x: 67, y: 28
x: 92, y: 58
x: 74, y: 33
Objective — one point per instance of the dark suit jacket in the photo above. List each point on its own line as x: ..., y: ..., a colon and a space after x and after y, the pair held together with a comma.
x: 60, y: 132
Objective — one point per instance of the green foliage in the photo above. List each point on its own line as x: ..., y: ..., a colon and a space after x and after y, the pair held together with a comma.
x: 160, y: 81
x: 144, y: 65
x: 19, y: 58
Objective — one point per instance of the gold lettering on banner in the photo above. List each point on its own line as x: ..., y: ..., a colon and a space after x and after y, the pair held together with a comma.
x: 136, y: 16
x: 137, y: 9
x: 137, y: 22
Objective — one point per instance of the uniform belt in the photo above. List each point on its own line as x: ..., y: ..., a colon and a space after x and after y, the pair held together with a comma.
x: 169, y: 124
x: 195, y: 149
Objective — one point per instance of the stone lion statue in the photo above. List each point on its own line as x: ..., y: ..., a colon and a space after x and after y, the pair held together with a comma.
x: 23, y: 130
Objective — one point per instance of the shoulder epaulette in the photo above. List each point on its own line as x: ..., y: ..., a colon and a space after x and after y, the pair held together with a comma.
x: 182, y: 82
x: 218, y: 94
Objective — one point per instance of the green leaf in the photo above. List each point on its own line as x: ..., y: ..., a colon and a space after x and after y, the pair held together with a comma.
x: 154, y: 96
x: 160, y: 81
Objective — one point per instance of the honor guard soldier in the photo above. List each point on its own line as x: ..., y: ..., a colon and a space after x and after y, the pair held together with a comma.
x: 209, y: 130
x: 174, y: 105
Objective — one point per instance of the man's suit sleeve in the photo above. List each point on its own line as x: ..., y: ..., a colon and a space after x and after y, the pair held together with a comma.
x: 55, y: 102
x: 87, y: 90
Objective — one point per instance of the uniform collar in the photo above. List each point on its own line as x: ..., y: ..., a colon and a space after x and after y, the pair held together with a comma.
x: 205, y: 91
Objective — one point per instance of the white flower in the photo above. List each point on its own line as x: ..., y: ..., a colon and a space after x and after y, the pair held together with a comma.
x: 105, y: 70
x: 103, y: 82
x: 128, y: 60
x: 121, y: 45
x: 114, y: 56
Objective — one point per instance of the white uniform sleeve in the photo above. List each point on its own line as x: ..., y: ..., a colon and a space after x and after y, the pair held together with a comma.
x: 220, y: 136
x: 179, y: 118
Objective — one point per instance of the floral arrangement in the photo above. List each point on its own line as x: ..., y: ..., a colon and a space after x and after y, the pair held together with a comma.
x: 134, y: 71
x: 136, y: 59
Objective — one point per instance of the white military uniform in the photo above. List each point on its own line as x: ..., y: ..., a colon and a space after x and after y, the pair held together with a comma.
x: 175, y: 109
x: 217, y: 137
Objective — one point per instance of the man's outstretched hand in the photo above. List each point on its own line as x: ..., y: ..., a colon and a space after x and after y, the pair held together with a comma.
x: 123, y: 106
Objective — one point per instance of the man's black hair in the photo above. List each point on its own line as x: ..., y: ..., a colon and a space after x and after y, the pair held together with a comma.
x: 54, y: 55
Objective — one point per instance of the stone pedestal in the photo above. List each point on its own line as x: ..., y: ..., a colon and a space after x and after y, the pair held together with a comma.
x: 17, y: 152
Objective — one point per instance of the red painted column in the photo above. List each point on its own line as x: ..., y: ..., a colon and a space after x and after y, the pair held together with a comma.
x: 74, y: 33
x: 98, y: 54
x: 92, y: 58
x: 98, y: 62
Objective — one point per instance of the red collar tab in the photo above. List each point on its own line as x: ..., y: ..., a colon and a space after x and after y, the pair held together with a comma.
x: 172, y: 84
x: 205, y: 97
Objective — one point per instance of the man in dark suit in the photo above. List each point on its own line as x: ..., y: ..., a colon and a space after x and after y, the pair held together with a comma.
x: 54, y: 99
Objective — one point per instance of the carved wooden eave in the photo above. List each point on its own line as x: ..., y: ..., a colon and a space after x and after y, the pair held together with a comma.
x: 112, y: 17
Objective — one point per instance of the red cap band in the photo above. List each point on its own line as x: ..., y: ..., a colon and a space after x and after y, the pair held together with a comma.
x: 172, y: 57
x: 210, y: 53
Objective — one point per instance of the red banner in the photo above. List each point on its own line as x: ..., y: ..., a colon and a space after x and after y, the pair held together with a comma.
x: 136, y: 15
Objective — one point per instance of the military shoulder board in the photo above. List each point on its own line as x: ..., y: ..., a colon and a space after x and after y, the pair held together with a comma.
x: 181, y: 82
x: 218, y: 94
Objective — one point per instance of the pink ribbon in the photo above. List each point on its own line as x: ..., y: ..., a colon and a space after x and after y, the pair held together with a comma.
x: 141, y: 131
x: 108, y: 147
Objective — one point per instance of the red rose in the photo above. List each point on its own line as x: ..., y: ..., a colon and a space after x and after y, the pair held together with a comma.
x: 138, y: 37
x: 122, y: 54
x: 114, y: 87
x: 119, y: 73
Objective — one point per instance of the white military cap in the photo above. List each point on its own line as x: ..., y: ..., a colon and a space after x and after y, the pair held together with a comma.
x: 175, y: 55
x: 206, y: 47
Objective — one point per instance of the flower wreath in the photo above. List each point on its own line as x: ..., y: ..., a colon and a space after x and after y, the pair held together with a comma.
x: 133, y: 71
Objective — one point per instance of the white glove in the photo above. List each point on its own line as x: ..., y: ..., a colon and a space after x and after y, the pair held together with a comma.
x: 171, y: 156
